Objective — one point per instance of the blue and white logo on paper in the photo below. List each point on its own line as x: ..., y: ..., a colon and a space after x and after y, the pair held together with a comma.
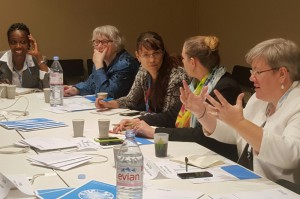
x: 95, y: 194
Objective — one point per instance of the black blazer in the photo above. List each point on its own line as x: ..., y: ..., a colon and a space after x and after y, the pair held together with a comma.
x: 230, y: 89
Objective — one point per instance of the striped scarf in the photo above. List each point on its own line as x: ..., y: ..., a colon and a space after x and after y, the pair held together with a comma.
x: 185, y: 118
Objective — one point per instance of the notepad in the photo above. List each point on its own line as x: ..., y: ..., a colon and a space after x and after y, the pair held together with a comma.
x: 202, y: 161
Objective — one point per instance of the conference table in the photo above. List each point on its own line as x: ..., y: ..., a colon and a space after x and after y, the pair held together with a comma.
x: 17, y: 163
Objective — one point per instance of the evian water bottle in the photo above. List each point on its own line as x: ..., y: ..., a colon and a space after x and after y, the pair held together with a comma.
x: 56, y: 83
x: 129, y: 167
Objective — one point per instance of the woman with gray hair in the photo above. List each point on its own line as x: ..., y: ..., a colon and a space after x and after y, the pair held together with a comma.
x: 114, y: 68
x: 269, y: 125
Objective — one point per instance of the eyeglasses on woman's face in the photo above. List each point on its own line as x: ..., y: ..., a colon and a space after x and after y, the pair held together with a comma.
x: 256, y: 73
x: 157, y: 54
x: 103, y: 42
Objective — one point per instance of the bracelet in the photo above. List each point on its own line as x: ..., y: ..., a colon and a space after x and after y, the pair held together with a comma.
x: 202, y: 114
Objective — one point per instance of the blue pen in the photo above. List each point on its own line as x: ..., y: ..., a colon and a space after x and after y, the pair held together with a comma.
x: 107, y: 99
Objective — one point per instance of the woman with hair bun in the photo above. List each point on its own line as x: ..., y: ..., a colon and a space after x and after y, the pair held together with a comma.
x: 266, y: 131
x: 201, y: 60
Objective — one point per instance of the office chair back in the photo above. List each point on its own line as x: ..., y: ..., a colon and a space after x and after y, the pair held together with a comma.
x: 242, y: 74
x: 73, y: 70
x: 90, y: 65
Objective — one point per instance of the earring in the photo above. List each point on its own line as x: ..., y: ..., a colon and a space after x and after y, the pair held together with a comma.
x: 282, y: 86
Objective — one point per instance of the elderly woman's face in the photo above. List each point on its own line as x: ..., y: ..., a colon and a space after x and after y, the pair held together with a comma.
x: 100, y: 42
x: 266, y: 80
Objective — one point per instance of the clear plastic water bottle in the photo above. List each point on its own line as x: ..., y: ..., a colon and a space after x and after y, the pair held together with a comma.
x: 129, y: 167
x: 56, y: 83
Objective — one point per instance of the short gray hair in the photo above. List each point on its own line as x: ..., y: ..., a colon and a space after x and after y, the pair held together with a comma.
x: 112, y: 33
x: 278, y: 53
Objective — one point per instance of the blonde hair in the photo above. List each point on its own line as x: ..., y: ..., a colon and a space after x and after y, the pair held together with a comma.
x: 205, y: 49
x: 211, y: 42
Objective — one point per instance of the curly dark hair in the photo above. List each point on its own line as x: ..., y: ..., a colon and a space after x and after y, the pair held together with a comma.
x: 153, y: 41
x: 18, y: 26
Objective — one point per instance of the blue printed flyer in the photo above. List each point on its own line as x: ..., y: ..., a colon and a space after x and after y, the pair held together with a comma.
x: 92, y: 189
x: 32, y: 124
x: 240, y: 172
x: 52, y: 193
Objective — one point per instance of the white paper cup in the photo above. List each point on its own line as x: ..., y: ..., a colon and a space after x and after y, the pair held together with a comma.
x: 103, y: 125
x: 78, y: 126
x: 102, y: 94
x: 116, y: 151
x: 47, y: 92
x: 11, y: 91
x: 3, y: 90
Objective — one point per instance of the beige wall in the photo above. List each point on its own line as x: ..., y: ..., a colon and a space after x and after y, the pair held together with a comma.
x: 64, y: 27
x: 242, y: 24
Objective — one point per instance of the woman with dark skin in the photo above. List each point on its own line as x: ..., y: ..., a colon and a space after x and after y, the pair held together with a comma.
x: 23, y: 65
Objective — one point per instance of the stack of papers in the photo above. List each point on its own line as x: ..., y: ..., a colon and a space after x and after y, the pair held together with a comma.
x: 46, y: 143
x: 70, y: 108
x: 32, y: 124
x: 59, y: 160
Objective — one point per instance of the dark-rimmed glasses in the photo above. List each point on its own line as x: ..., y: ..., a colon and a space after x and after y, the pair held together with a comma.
x: 103, y: 42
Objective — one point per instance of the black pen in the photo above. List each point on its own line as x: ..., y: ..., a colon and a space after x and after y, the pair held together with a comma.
x: 186, y: 164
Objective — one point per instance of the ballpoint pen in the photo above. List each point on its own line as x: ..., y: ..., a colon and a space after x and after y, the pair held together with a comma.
x: 186, y: 164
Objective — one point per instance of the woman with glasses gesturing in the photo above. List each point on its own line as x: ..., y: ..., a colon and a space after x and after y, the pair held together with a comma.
x: 114, y: 68
x: 155, y: 88
x: 23, y: 65
x: 268, y: 127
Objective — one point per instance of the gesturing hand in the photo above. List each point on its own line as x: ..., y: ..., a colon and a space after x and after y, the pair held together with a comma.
x: 193, y: 102
x: 222, y: 110
x: 34, y: 50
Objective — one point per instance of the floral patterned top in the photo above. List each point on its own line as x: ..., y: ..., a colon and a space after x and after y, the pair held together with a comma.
x: 135, y: 98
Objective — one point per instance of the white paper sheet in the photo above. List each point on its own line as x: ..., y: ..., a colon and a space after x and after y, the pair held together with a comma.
x: 47, y: 143
x: 59, y: 160
x: 19, y: 181
x: 109, y: 111
x: 277, y: 193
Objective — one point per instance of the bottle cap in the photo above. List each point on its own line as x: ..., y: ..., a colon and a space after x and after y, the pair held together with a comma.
x: 81, y: 176
x: 130, y: 133
x: 56, y: 58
